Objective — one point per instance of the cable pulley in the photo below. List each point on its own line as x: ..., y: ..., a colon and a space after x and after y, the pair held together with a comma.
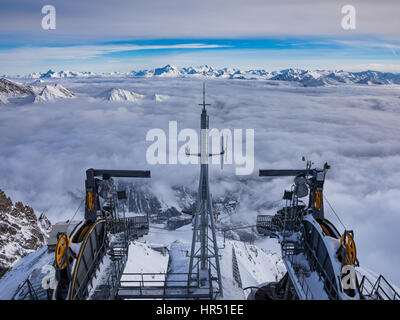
x: 347, y: 241
x: 62, y: 251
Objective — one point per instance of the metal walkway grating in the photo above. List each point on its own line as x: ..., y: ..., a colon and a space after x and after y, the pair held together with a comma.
x: 162, y: 286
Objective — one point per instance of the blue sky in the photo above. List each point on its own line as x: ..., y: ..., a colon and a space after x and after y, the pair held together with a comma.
x: 129, y: 35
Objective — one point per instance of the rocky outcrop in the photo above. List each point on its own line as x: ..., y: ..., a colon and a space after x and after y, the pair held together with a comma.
x: 8, y: 87
x: 21, y: 232
x: 179, y: 221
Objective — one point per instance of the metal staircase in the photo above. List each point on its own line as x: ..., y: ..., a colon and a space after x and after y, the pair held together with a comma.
x: 32, y: 289
x: 235, y: 269
x: 380, y: 290
x: 25, y: 292
x: 133, y: 228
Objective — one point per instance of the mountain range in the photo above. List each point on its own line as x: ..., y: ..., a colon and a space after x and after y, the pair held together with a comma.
x: 13, y: 92
x: 303, y: 77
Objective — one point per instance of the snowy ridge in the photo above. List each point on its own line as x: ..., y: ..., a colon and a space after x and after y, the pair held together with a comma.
x: 28, y: 266
x: 59, y: 74
x: 50, y: 93
x: 8, y: 87
x: 160, y: 97
x: 306, y: 78
x: 117, y: 94
x: 12, y: 92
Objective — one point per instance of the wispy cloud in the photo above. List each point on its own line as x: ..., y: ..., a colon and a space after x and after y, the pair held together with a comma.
x: 370, y: 44
x: 271, y: 54
x: 88, y: 51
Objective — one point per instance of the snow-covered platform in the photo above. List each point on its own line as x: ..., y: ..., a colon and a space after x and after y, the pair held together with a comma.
x: 151, y: 275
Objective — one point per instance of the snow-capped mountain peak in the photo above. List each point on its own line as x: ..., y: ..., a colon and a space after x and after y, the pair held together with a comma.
x: 117, y: 94
x: 50, y: 92
x: 167, y: 71
x: 61, y: 74
x: 160, y: 97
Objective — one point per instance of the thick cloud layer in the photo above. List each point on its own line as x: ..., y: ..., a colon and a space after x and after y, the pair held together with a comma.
x: 45, y: 148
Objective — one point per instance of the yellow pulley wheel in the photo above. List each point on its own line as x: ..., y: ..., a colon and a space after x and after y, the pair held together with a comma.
x: 318, y: 200
x: 62, y: 244
x: 83, y: 233
x: 350, y: 246
x: 90, y: 201
x: 325, y: 230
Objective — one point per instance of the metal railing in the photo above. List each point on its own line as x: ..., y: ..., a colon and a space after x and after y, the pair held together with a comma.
x: 304, y: 285
x: 300, y: 275
x: 329, y: 285
x: 163, y: 285
x: 25, y: 292
x: 377, y: 290
x: 268, y: 224
x: 117, y: 268
x: 129, y: 224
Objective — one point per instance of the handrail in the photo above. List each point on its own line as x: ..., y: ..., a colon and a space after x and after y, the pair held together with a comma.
x: 377, y: 289
x: 30, y: 291
x: 324, y: 274
x: 305, y: 284
x: 152, y: 287
x: 155, y: 273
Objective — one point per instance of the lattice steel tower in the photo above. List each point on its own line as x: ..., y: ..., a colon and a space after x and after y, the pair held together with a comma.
x: 204, y: 259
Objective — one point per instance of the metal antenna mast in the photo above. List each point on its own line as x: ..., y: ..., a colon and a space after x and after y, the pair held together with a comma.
x: 204, y: 259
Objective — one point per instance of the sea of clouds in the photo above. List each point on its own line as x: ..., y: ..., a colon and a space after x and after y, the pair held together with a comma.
x: 45, y: 148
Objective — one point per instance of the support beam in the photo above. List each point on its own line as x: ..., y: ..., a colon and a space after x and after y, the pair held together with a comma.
x: 92, y: 204
x: 283, y: 172
x: 105, y: 173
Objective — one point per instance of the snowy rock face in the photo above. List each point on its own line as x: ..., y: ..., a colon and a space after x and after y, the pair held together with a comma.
x: 50, y: 93
x: 9, y: 87
x: 142, y: 200
x: 160, y: 97
x: 21, y: 232
x: 167, y: 71
x: 44, y: 223
x: 10, y: 91
x: 178, y: 221
x: 121, y: 95
x: 177, y: 212
x: 36, y: 82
